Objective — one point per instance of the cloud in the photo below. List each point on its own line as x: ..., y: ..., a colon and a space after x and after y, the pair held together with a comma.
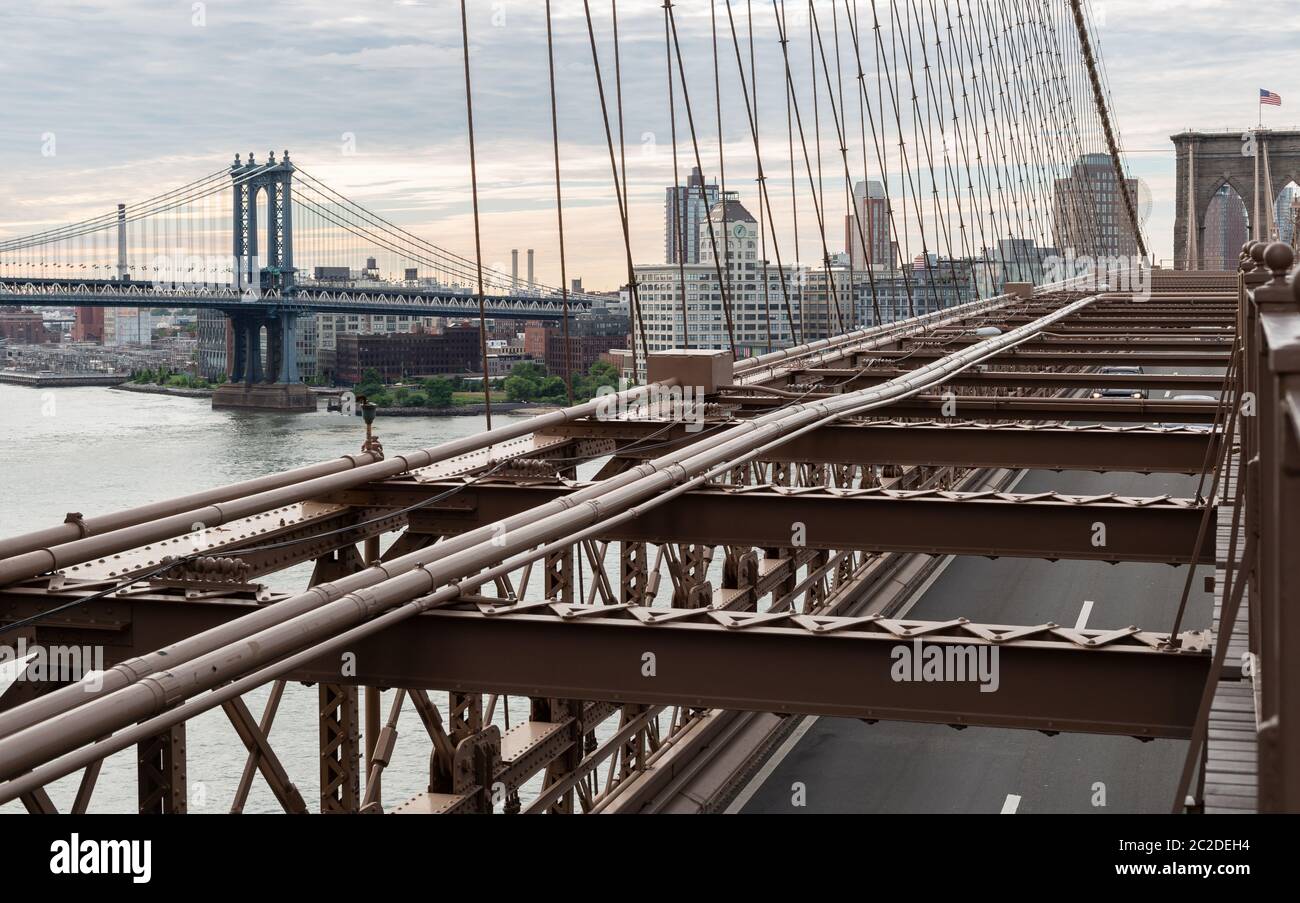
x: 142, y: 97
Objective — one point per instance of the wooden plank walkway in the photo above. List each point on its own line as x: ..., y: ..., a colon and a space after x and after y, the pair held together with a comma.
x: 1231, y: 778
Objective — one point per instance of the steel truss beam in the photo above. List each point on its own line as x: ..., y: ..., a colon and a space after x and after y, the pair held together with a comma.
x: 1036, y: 379
x: 830, y: 666
x: 1050, y: 678
x: 1061, y: 358
x: 1175, y: 325
x: 1089, y: 344
x: 1172, y: 319
x: 1043, y: 525
x: 986, y: 407
x: 1096, y: 448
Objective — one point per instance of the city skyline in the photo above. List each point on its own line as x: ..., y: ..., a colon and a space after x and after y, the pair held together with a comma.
x: 117, y: 135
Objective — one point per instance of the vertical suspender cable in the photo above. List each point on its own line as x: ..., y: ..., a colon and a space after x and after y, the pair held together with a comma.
x: 762, y: 228
x: 765, y: 198
x: 812, y: 187
x: 478, y: 247
x: 1104, y: 115
x: 699, y: 163
x: 622, y: 162
x: 622, y: 207
x: 679, y: 200
x: 789, y: 129
x: 728, y: 293
x: 559, y: 204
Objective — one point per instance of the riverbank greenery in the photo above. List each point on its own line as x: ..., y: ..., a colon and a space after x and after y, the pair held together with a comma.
x: 528, y: 382
x: 162, y: 376
x: 434, y: 392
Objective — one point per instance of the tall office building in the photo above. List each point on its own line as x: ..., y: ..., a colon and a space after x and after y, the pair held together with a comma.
x: 1284, y: 214
x: 213, y: 347
x: 661, y: 292
x: 687, y: 206
x: 1013, y: 260
x: 1226, y: 229
x: 127, y: 326
x: 871, y: 209
x: 1089, y: 215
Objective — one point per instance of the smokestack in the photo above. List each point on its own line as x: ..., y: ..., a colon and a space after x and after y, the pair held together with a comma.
x: 514, y: 269
x: 121, y: 241
x: 531, y: 283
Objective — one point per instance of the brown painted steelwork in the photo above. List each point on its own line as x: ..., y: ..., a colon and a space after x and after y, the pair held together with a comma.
x: 596, y: 652
x: 869, y: 483
x: 1044, y: 525
x: 973, y: 444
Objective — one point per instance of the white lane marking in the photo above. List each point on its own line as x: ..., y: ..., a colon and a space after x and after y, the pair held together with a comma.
x: 943, y: 565
x: 1011, y: 805
x: 1083, y: 615
x: 759, y: 779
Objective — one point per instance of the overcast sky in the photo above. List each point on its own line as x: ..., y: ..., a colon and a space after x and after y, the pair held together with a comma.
x: 140, y: 96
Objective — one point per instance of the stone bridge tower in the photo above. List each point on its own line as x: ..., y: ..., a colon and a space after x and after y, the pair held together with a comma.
x: 1209, y: 160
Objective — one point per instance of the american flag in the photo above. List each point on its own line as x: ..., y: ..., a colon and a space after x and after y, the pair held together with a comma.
x: 1270, y: 97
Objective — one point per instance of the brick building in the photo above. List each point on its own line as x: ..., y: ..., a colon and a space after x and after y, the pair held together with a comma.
x: 591, y: 335
x: 405, y: 355
x: 22, y: 327
x: 89, y: 325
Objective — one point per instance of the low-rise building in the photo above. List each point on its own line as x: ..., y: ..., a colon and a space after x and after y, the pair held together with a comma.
x: 88, y: 325
x: 23, y: 327
x: 591, y: 334
x: 502, y: 362
x: 328, y: 328
x: 403, y: 355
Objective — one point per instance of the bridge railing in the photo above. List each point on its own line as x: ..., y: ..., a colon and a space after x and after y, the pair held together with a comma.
x: 53, y: 288
x: 1270, y: 322
x: 408, y: 303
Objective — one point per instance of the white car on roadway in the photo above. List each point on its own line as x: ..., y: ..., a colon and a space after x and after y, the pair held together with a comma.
x: 1203, y: 427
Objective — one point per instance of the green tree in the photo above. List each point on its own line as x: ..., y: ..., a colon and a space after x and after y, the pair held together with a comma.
x: 371, y: 384
x: 521, y: 388
x: 598, y: 375
x: 438, y: 390
x: 529, y: 370
x: 553, y: 389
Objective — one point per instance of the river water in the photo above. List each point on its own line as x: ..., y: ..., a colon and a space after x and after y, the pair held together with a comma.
x: 95, y: 450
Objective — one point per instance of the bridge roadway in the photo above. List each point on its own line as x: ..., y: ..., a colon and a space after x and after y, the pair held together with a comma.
x: 303, y: 298
x: 848, y: 766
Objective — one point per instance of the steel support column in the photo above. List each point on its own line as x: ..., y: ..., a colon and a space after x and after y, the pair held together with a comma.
x: 340, y: 749
x: 160, y: 771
